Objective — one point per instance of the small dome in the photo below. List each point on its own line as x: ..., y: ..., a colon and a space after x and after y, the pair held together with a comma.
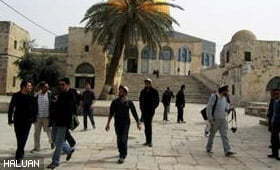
x: 244, y: 35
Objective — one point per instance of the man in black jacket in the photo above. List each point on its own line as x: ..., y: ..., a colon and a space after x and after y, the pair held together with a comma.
x: 274, y: 123
x: 88, y: 98
x: 120, y: 110
x: 149, y: 101
x: 180, y: 104
x: 62, y: 121
x: 166, y: 100
x: 22, y: 113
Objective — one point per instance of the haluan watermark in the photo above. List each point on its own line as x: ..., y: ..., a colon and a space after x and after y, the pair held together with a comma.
x: 25, y: 163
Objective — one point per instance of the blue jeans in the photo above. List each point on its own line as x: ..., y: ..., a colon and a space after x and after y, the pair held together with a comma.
x: 60, y: 143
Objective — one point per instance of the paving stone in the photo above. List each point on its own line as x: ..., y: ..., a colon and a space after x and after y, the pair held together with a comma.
x: 176, y: 146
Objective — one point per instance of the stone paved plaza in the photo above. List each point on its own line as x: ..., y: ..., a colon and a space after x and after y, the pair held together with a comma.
x: 176, y: 146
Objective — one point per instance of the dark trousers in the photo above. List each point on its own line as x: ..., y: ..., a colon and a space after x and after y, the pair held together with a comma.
x: 180, y: 116
x: 166, y: 111
x: 275, y: 130
x: 122, y: 138
x: 22, y: 130
x: 88, y: 113
x: 69, y: 138
x: 148, y: 120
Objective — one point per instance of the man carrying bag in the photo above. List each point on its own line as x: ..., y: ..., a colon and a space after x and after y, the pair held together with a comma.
x: 218, y: 120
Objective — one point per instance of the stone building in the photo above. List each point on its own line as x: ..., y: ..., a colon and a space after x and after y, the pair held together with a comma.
x: 183, y: 54
x: 13, y: 39
x: 248, y: 65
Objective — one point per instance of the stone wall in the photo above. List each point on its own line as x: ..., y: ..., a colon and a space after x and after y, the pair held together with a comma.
x: 249, y: 64
x: 3, y: 75
x: 78, y: 40
x: 254, y: 84
x: 14, y: 39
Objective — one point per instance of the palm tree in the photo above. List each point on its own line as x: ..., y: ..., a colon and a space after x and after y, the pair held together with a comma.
x: 120, y: 24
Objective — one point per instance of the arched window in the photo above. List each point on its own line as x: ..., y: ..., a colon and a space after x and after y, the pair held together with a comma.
x: 148, y: 53
x: 15, y: 44
x: 205, y: 59
x: 86, y: 48
x: 166, y: 53
x: 184, y: 55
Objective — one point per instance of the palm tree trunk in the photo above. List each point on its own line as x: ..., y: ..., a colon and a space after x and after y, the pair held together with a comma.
x: 112, y: 71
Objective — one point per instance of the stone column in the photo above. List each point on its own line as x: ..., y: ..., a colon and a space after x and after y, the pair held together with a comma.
x: 139, y: 64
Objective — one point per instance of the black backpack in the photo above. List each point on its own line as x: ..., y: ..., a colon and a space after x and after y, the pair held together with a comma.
x: 204, y: 111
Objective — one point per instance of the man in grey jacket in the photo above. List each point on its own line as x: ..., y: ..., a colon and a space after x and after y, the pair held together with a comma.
x: 217, y: 110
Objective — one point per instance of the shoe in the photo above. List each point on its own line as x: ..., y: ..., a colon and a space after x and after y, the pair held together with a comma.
x: 68, y: 157
x: 209, y: 151
x: 35, y: 150
x: 121, y: 161
x: 277, y: 158
x: 229, y: 154
x: 183, y: 122
x: 52, y: 166
x: 52, y: 146
x: 178, y: 122
x: 271, y: 156
x: 206, y: 134
x: 93, y: 127
x: 150, y: 145
x: 146, y: 144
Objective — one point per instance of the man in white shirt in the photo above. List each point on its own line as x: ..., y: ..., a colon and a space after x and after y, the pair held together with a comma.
x: 42, y: 121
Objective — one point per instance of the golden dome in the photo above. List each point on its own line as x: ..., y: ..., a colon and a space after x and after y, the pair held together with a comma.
x: 164, y: 9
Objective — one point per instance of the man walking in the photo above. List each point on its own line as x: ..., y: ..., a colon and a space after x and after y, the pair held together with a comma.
x: 180, y: 104
x: 217, y: 110
x: 22, y: 113
x: 87, y: 100
x: 149, y: 101
x: 76, y: 96
x: 44, y: 104
x: 166, y: 100
x: 274, y: 117
x: 62, y: 121
x: 120, y: 110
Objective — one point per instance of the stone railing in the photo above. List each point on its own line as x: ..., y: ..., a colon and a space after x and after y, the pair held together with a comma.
x: 258, y: 110
x: 205, y: 81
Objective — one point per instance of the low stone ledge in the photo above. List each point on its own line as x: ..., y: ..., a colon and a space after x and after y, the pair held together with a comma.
x: 257, y: 110
x: 101, y: 108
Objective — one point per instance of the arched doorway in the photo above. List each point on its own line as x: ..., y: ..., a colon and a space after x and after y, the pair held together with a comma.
x: 84, y: 73
x: 131, y: 56
x: 273, y: 84
x: 166, y: 54
x: 147, y: 54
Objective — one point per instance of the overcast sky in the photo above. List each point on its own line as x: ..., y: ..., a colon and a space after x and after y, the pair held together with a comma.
x: 214, y: 20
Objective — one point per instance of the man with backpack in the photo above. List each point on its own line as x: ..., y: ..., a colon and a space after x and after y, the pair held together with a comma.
x: 217, y: 111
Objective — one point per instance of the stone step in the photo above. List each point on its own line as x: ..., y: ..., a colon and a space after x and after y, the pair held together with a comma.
x: 196, y: 92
